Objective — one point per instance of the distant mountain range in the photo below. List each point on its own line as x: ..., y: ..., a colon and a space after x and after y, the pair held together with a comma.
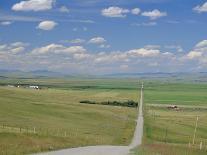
x: 30, y: 74
x: 200, y: 76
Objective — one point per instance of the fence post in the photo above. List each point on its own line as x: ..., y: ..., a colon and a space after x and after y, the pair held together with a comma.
x: 196, y: 125
x: 34, y: 130
x: 201, y: 144
x: 189, y: 144
x: 166, y: 135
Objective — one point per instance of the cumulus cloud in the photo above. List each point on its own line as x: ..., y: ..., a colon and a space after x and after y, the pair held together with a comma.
x: 202, y: 44
x: 114, y: 11
x: 199, y: 53
x: 64, y: 9
x: 62, y: 57
x: 201, y: 8
x: 154, y: 14
x: 97, y: 40
x: 194, y: 55
x: 47, y: 25
x: 33, y: 5
x: 81, y: 56
x: 59, y: 49
x: 136, y: 11
x: 13, y: 48
x: 143, y: 52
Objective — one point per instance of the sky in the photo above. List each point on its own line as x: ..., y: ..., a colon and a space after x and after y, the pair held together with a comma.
x: 103, y: 36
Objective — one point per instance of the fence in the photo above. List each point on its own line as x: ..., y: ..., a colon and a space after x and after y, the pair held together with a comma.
x: 55, y: 132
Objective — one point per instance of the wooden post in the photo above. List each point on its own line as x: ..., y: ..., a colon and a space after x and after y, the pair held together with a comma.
x: 166, y: 135
x: 189, y: 145
x: 201, y: 144
x: 196, y: 125
x: 34, y: 130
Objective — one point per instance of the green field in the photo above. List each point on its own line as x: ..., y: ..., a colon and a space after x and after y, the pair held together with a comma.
x: 168, y: 131
x: 52, y: 118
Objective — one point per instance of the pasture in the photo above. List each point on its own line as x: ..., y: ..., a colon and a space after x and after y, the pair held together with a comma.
x: 171, y: 131
x: 52, y: 118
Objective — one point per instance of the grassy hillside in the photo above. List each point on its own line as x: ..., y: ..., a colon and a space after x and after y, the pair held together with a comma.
x: 48, y: 119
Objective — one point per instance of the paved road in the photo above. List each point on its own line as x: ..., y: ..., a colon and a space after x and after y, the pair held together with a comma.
x: 109, y: 150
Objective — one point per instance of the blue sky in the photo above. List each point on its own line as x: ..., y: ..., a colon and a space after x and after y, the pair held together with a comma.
x: 104, y: 36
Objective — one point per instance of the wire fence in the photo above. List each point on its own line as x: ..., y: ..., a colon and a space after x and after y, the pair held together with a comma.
x: 37, y: 131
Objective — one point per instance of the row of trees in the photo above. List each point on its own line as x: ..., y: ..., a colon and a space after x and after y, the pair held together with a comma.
x: 129, y: 103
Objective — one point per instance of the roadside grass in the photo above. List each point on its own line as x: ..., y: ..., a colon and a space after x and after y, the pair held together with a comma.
x: 60, y: 121
x: 166, y: 149
x: 168, y: 131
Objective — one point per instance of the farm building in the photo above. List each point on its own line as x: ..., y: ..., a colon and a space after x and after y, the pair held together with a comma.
x: 34, y: 87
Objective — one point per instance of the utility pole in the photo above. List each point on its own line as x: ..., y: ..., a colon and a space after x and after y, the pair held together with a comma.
x: 196, y: 125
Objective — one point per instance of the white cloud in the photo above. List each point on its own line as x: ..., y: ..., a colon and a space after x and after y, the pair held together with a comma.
x: 177, y: 48
x: 135, y: 11
x: 64, y: 9
x: 18, y: 44
x: 17, y: 50
x: 114, y: 11
x: 202, y: 44
x: 112, y: 57
x: 13, y: 48
x: 194, y: 55
x: 81, y: 21
x: 201, y: 8
x: 6, y: 23
x: 81, y: 56
x: 47, y: 25
x: 104, y: 46
x: 19, y: 18
x: 97, y: 40
x: 59, y: 49
x: 65, y: 58
x: 145, y: 24
x: 33, y: 5
x: 142, y: 52
x: 199, y: 53
x: 77, y: 41
x: 154, y: 14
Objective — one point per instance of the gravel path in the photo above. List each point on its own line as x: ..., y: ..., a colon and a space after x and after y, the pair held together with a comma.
x: 108, y: 150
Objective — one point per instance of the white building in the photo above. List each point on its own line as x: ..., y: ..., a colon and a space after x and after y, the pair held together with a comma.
x: 34, y: 87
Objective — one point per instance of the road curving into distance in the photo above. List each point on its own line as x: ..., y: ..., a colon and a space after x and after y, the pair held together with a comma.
x: 109, y: 150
